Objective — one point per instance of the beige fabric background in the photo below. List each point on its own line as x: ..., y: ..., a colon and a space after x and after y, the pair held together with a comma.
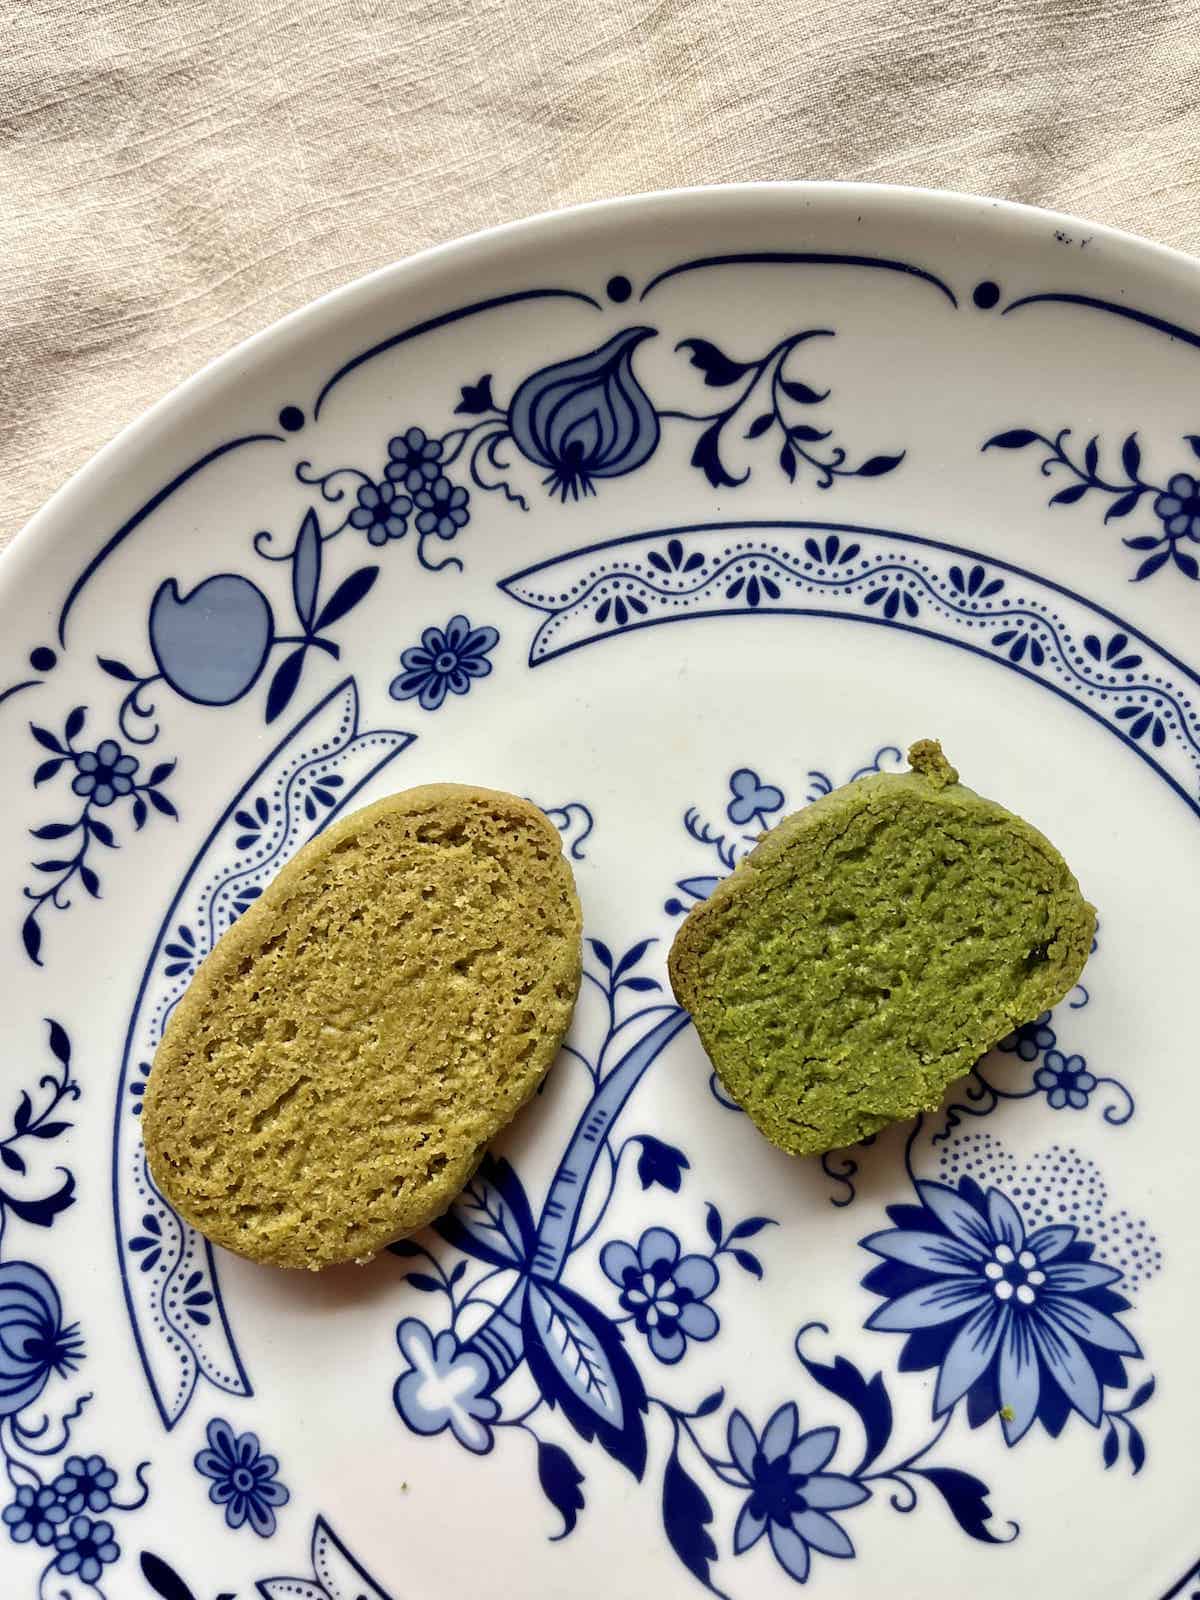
x: 174, y: 174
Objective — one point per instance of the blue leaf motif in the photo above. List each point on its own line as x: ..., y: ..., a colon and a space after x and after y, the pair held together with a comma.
x: 719, y: 371
x: 492, y: 1220
x: 1144, y: 1392
x: 707, y: 456
x: 586, y: 418
x: 423, y: 1282
x: 869, y: 1399
x: 966, y: 1497
x: 751, y: 1226
x: 687, y: 1515
x: 283, y: 684
x: 346, y: 596
x: 60, y: 1045
x: 631, y: 957
x: 579, y: 1362
x: 163, y: 1579
x: 602, y: 953
x: 560, y: 1479
x: 306, y: 569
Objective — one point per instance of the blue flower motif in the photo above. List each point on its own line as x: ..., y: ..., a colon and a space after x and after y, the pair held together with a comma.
x: 1139, y: 721
x: 755, y: 588
x: 33, y: 1341
x: 751, y: 798
x: 104, y: 773
x: 85, y: 1547
x: 1016, y: 641
x: 148, y: 1245
x: 791, y: 1495
x: 445, y: 662
x: 587, y: 418
x: 1178, y: 508
x: 414, y: 459
x: 1065, y: 1080
x: 138, y: 1086
x: 1023, y: 1325
x: 85, y: 1485
x: 663, y: 1291
x: 442, y: 509
x: 1031, y: 1038
x: 676, y: 559
x: 243, y: 1479
x: 381, y: 512
x: 443, y: 1387
x: 210, y: 645
x: 33, y: 1516
x: 894, y: 594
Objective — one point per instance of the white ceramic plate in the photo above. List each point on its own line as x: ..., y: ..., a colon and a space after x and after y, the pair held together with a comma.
x: 900, y: 464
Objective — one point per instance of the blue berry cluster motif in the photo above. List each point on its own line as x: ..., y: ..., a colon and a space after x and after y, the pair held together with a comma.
x: 580, y: 421
x: 587, y: 419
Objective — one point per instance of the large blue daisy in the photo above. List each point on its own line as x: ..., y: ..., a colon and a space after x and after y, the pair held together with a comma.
x: 1023, y: 1324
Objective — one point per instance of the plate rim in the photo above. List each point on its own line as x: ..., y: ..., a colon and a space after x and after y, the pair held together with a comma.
x: 256, y: 347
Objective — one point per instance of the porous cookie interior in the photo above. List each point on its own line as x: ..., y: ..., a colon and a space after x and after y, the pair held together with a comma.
x: 872, y: 952
x: 341, y: 1062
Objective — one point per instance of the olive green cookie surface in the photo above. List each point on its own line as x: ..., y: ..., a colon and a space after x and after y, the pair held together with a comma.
x: 336, y: 1069
x: 871, y: 948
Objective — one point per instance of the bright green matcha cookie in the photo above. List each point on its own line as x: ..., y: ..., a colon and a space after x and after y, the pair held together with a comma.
x: 872, y: 947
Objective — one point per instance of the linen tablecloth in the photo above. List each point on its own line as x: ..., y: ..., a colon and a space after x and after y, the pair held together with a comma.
x: 174, y: 175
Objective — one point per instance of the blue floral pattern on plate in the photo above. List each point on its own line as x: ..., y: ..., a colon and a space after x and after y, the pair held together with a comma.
x: 1023, y: 1310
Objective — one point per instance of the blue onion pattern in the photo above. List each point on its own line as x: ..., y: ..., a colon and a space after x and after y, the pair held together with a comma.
x: 34, y: 1344
x: 587, y: 418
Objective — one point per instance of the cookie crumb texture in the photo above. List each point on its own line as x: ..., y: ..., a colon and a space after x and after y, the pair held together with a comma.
x: 871, y: 948
x: 340, y: 1062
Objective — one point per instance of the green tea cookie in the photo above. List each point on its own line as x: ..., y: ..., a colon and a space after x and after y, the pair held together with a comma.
x: 337, y: 1067
x: 871, y: 948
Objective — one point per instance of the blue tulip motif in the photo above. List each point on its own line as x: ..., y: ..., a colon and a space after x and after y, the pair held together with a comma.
x: 587, y: 418
x: 212, y: 644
